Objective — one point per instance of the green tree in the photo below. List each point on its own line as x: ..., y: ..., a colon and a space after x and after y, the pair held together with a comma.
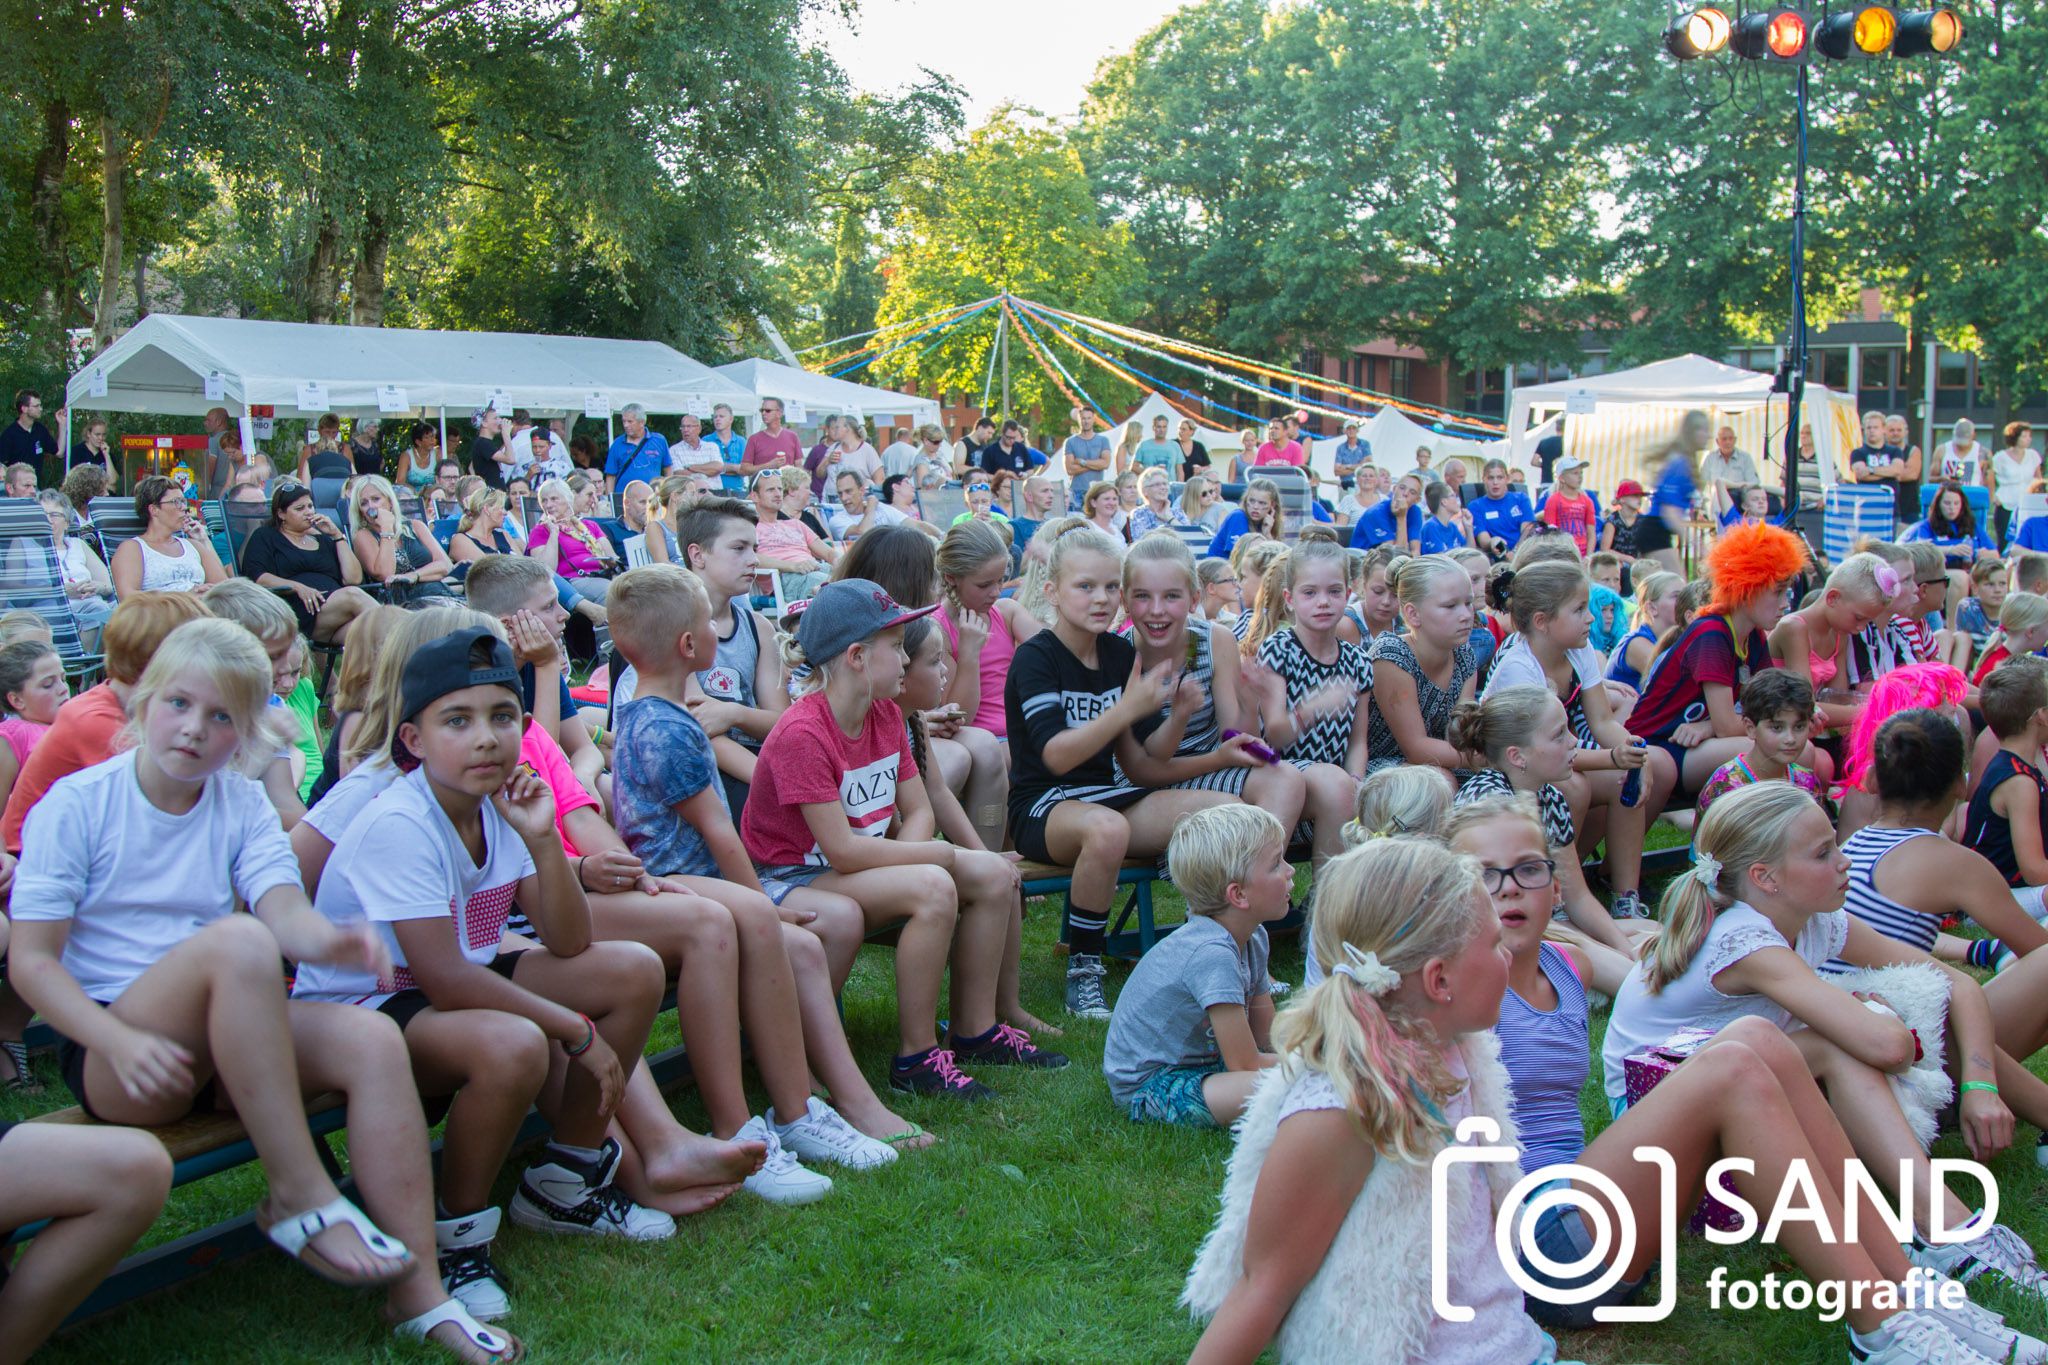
x: 1016, y: 211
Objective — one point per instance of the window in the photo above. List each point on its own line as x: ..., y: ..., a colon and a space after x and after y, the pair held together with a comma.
x: 1595, y: 363
x: 1951, y: 369
x: 1525, y: 375
x: 1403, y: 382
x: 1877, y: 366
x: 1829, y: 367
x: 1311, y: 362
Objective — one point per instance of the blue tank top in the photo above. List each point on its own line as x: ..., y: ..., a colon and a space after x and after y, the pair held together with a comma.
x: 1617, y: 662
x: 1548, y: 1055
x: 1991, y: 833
x: 1865, y: 849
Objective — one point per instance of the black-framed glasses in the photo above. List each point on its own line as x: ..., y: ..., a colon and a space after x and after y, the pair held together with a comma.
x: 1533, y: 875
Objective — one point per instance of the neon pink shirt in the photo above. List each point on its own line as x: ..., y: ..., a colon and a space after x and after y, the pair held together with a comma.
x: 996, y: 651
x: 1290, y: 453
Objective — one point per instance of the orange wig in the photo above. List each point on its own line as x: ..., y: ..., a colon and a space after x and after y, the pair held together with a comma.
x: 1748, y: 561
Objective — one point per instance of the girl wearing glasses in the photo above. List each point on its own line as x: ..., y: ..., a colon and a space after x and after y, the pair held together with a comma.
x: 1527, y: 741
x: 1201, y: 502
x: 1746, y: 1094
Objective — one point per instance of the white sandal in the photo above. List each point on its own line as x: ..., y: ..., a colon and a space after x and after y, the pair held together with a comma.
x: 483, y: 1338
x: 293, y: 1235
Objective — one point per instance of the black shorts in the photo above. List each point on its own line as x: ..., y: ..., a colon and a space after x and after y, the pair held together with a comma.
x: 402, y: 1007
x: 71, y: 1065
x: 1027, y: 831
x: 1681, y: 796
x: 1652, y: 535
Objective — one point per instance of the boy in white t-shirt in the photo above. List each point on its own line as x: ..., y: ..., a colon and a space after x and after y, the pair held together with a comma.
x: 437, y: 863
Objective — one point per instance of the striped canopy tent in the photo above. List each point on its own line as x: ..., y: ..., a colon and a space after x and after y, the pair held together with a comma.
x: 1637, y: 413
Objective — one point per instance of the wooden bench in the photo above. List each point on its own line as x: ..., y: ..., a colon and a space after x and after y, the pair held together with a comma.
x: 1050, y: 879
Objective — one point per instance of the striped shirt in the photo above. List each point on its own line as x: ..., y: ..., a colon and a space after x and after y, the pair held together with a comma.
x: 1866, y: 848
x: 1548, y: 1055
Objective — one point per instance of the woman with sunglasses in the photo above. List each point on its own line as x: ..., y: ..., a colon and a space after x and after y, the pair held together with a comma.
x: 174, y: 553
x: 1201, y: 502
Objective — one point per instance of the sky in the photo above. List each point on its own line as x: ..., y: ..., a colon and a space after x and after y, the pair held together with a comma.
x: 1037, y: 52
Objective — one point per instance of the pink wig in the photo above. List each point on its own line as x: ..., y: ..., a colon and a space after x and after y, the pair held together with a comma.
x: 1937, y: 686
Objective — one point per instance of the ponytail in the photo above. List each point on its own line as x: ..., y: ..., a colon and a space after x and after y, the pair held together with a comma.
x: 1748, y: 826
x: 1407, y: 902
x: 1269, y: 612
x: 1507, y: 718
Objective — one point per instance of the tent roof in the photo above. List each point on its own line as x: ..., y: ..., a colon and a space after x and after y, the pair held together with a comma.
x: 1215, y: 439
x: 1681, y: 379
x: 821, y: 393
x: 160, y: 365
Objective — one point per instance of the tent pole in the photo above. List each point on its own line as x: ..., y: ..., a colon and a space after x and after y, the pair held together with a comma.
x: 444, y: 431
x: 1004, y: 337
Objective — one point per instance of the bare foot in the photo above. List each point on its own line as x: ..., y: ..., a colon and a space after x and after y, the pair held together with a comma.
x: 1022, y: 1018
x: 885, y: 1126
x: 695, y: 1199
x: 698, y: 1161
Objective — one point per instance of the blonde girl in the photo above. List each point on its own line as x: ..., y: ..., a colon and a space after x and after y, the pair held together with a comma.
x: 1252, y: 566
x: 1033, y: 593
x: 2022, y: 629
x: 129, y: 946
x: 1553, y: 616
x: 1221, y: 598
x: 1378, y: 604
x: 1127, y: 447
x: 979, y: 631
x: 1746, y: 932
x: 1401, y: 801
x: 394, y: 548
x: 1323, y: 1246
x: 1525, y: 738
x: 1201, y: 502
x: 1325, y: 683
x: 1656, y: 612
x: 1082, y: 776
x: 1745, y: 1094
x: 1247, y: 457
x: 1420, y: 677
x: 1814, y: 642
x: 1258, y: 510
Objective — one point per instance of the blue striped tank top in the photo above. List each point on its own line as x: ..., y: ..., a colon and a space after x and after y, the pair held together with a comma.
x: 1548, y: 1055
x: 1866, y: 848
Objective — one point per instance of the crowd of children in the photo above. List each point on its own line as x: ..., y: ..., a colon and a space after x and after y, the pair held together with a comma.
x: 483, y: 889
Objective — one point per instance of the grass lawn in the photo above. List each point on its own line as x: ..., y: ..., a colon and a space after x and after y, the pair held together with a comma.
x: 1044, y: 1228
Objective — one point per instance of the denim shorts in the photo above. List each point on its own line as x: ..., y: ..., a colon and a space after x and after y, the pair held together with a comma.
x: 780, y: 879
x: 1562, y: 1235
x: 1174, y: 1095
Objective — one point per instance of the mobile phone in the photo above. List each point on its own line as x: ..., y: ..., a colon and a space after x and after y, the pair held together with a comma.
x: 1257, y: 749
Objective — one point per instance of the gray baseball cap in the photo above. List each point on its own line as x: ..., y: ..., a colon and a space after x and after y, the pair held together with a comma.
x: 847, y: 612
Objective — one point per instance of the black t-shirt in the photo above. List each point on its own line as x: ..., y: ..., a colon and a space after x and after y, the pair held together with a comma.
x: 328, y: 464
x: 269, y: 551
x: 33, y: 446
x: 481, y: 463
x: 367, y: 459
x: 1048, y: 691
x: 1199, y: 459
x: 995, y: 461
x: 1891, y: 459
x: 1549, y: 451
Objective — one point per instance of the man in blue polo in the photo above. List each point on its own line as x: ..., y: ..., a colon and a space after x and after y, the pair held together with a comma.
x: 639, y: 454
x: 1350, y: 454
x: 1394, y: 520
x: 1499, y: 518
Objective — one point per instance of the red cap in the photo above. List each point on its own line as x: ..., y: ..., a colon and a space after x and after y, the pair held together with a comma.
x: 1629, y: 489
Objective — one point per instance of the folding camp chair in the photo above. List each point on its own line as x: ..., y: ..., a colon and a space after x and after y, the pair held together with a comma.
x: 32, y: 579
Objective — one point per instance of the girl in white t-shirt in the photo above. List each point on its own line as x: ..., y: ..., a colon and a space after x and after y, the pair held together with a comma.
x: 128, y: 944
x: 1551, y: 603
x: 1323, y: 1247
x: 1746, y: 932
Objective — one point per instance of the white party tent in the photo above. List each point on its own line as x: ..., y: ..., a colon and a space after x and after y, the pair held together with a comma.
x: 1635, y: 414
x: 1395, y: 437
x: 164, y: 364
x: 821, y: 394
x: 1218, y: 442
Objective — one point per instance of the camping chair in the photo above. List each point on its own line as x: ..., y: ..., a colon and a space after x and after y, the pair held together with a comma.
x: 327, y: 498
x: 2031, y: 505
x: 116, y: 522
x: 1296, y: 495
x: 31, y: 579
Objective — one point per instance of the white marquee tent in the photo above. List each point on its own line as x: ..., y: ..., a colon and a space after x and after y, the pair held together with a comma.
x: 821, y: 394
x: 1395, y: 437
x: 1636, y: 413
x: 167, y: 363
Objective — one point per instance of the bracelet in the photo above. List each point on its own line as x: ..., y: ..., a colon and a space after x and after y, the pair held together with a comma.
x: 1988, y: 1087
x: 589, y: 1037
x: 579, y: 873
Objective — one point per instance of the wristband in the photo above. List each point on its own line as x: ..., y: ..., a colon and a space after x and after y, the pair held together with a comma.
x: 1988, y: 1087
x: 589, y: 1037
x: 581, y: 884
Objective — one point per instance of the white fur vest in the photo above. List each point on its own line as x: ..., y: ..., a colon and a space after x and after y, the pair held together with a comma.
x: 1370, y: 1300
x: 1919, y: 992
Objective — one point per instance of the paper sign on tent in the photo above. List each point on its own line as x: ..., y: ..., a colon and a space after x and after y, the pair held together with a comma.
x: 216, y: 386
x: 96, y: 385
x: 265, y: 427
x: 391, y: 398
x: 499, y: 402
x: 312, y: 396
x: 597, y: 405
x: 1581, y: 403
x: 696, y: 405
x: 793, y: 413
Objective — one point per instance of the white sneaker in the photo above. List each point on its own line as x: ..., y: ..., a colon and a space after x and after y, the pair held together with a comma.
x: 467, y: 1272
x: 1986, y: 1333
x: 1998, y: 1249
x: 823, y: 1134
x: 564, y: 1193
x: 782, y: 1179
x: 1915, y: 1338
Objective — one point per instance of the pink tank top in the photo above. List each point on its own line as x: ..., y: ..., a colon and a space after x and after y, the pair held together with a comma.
x: 995, y: 669
x: 21, y: 736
